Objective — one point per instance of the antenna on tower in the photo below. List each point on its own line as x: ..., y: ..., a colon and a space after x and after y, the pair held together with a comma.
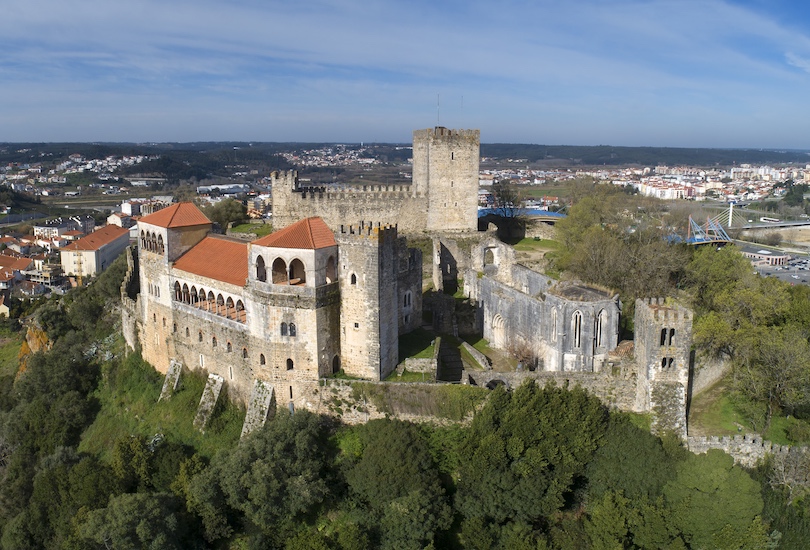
x: 438, y: 105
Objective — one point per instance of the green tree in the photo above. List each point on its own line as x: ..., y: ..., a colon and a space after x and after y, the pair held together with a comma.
x: 631, y: 460
x: 135, y: 521
x: 225, y: 212
x: 406, y: 494
x: 524, y: 450
x: 775, y: 370
x: 708, y: 494
x: 276, y: 477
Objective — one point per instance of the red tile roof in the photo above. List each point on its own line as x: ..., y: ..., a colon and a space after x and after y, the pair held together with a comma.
x: 217, y: 258
x: 309, y: 233
x: 13, y: 263
x: 182, y: 214
x: 98, y: 238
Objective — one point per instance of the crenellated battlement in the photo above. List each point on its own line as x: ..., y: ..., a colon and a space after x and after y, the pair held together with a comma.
x: 663, y: 311
x: 366, y: 229
x: 442, y: 195
x: 285, y: 177
x: 447, y: 133
x: 747, y: 449
x: 364, y: 192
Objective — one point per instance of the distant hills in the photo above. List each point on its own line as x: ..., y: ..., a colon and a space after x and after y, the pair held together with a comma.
x: 609, y: 155
x: 206, y: 155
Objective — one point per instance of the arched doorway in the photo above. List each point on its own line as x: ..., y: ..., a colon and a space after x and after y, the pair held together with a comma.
x: 499, y: 332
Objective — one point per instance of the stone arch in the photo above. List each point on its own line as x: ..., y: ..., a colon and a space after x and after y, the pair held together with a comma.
x: 194, y: 297
x: 187, y: 332
x: 262, y: 360
x: 298, y: 273
x: 554, y: 325
x: 200, y: 336
x: 290, y: 364
x: 284, y: 329
x: 490, y: 256
x: 576, y: 329
x: 331, y: 270
x: 292, y: 329
x: 241, y: 314
x: 601, y: 325
x: 335, y: 364
x: 143, y: 239
x: 230, y: 308
x: 492, y: 384
x: 261, y: 270
x: 212, y: 302
x: 353, y: 279
x: 229, y: 347
x: 186, y: 294
x: 220, y: 305
x: 279, y: 272
x: 178, y: 293
x: 160, y: 248
x: 499, y: 331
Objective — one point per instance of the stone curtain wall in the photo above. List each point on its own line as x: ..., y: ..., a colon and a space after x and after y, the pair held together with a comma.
x: 746, y: 449
x: 612, y: 391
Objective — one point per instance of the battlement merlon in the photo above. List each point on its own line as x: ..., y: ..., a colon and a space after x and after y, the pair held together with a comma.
x: 366, y: 229
x: 285, y: 177
x: 440, y: 132
x: 659, y: 310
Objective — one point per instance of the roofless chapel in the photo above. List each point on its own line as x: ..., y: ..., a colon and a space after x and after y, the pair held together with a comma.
x: 285, y: 309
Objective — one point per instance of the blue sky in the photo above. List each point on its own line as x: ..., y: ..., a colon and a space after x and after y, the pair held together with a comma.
x: 678, y: 73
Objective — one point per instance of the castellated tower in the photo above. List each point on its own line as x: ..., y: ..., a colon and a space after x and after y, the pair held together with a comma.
x: 445, y: 169
x: 369, y: 313
x: 663, y: 354
x: 164, y: 236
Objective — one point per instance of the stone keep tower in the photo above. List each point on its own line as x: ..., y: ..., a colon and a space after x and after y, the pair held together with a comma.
x: 445, y: 169
x: 663, y: 354
x: 369, y: 311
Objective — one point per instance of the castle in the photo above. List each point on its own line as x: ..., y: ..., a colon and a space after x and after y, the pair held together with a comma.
x: 271, y: 318
x: 286, y: 309
x: 442, y: 196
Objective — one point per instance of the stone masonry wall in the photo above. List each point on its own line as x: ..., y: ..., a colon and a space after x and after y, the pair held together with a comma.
x: 746, y: 449
x: 613, y: 391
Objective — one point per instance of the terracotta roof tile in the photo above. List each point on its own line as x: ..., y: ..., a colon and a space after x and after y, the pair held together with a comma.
x: 8, y: 261
x: 98, y: 238
x: 217, y: 258
x: 182, y: 214
x: 309, y: 233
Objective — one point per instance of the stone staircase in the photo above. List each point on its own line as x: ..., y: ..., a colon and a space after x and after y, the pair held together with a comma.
x: 450, y: 363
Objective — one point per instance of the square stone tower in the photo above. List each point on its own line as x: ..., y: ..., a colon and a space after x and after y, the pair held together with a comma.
x: 369, y: 313
x: 663, y: 353
x: 445, y: 169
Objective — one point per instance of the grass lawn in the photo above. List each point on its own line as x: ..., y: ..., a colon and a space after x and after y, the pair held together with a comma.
x: 777, y: 432
x: 417, y: 344
x: 408, y: 376
x: 9, y: 353
x: 128, y: 394
x: 260, y: 230
x: 536, y: 245
x: 713, y: 413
